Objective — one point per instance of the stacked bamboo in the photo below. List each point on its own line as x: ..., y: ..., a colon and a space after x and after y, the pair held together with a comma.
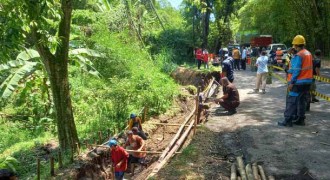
x: 248, y: 172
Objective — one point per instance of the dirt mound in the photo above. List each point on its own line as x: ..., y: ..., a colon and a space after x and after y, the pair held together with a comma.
x: 186, y: 77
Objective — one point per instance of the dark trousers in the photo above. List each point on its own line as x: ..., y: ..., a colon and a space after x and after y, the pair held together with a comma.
x: 236, y: 64
x: 243, y: 64
x: 229, y: 105
x: 296, y: 106
x: 199, y: 63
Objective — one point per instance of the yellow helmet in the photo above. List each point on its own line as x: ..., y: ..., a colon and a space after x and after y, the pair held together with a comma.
x: 299, y: 39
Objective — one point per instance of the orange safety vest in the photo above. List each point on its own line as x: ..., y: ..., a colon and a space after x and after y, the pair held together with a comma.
x: 306, y: 66
x: 279, y: 55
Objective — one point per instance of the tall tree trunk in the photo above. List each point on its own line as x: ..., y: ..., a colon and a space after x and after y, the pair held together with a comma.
x: 59, y: 79
x: 57, y: 70
x: 206, y: 23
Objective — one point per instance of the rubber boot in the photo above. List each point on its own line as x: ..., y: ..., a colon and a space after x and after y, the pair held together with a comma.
x: 300, y: 121
x: 286, y: 122
x: 263, y: 91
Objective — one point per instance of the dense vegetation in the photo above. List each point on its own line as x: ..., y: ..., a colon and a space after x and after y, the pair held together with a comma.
x: 115, y: 60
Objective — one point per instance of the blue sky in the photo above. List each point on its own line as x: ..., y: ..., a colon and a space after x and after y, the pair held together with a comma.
x: 175, y: 3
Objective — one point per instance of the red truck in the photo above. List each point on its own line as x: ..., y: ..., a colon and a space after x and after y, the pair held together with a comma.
x: 261, y: 41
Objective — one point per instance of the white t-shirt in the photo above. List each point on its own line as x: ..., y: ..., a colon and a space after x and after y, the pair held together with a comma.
x: 262, y: 64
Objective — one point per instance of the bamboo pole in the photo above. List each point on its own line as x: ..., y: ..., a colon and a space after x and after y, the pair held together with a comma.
x: 262, y: 173
x: 233, y: 174
x: 160, y: 164
x: 176, y: 136
x: 38, y: 169
x: 169, y: 124
x: 255, y: 171
x: 241, y: 168
x: 132, y: 151
x: 249, y: 173
x: 52, y: 169
x: 197, y: 109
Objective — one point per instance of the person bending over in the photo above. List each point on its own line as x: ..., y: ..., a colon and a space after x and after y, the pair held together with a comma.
x: 230, y: 99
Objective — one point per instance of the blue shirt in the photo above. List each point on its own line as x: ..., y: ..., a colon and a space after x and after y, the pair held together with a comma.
x: 228, y: 68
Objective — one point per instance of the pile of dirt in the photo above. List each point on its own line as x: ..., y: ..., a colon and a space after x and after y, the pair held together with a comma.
x: 186, y: 77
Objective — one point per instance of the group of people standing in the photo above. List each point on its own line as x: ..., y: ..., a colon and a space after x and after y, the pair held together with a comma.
x: 301, y: 66
x: 202, y: 56
x: 121, y: 159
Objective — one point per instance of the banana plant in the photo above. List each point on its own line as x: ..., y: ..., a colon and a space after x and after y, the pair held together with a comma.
x: 9, y: 163
x: 29, y: 61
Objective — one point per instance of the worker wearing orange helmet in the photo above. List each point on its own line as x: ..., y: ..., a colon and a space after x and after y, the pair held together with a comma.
x: 300, y: 77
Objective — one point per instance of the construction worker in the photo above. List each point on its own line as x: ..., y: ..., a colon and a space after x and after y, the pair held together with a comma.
x: 279, y: 55
x: 136, y: 131
x: 119, y: 158
x: 136, y: 143
x: 300, y: 77
x: 135, y: 121
x: 237, y: 56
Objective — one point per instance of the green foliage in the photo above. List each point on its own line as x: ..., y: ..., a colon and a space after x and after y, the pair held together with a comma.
x: 82, y: 17
x: 308, y: 18
x: 11, y: 38
x: 9, y: 163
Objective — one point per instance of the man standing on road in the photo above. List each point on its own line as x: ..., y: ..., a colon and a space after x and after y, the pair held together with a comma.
x: 300, y: 77
x: 243, y: 60
x: 227, y: 68
x: 236, y: 56
x: 230, y: 99
x: 262, y: 72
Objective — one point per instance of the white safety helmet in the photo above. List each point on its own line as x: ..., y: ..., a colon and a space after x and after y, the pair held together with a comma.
x: 278, y: 48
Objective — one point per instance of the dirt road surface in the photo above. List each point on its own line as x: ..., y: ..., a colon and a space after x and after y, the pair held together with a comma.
x: 300, y: 152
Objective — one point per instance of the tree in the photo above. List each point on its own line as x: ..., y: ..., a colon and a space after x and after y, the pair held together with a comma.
x: 46, y: 26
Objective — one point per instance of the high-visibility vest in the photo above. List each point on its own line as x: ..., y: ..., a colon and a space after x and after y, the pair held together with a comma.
x: 279, y: 55
x: 306, y: 66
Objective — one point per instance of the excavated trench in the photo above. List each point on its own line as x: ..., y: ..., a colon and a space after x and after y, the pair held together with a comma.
x: 96, y: 164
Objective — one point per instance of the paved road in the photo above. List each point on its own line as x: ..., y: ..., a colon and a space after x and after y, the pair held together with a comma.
x: 282, y: 151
